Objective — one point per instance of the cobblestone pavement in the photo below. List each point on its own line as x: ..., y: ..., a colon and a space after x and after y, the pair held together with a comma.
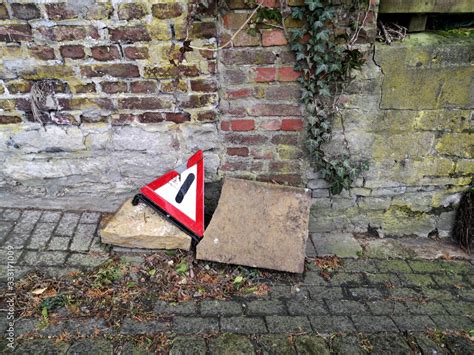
x: 368, y: 305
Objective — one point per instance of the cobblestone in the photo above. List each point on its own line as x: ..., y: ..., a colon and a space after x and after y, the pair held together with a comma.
x: 221, y: 308
x: 41, y: 235
x: 287, y: 324
x: 68, y: 223
x: 243, y: 325
x: 363, y: 296
x: 83, y: 237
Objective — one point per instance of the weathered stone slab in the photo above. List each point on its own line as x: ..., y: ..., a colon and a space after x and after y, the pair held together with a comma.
x: 259, y: 225
x: 141, y: 227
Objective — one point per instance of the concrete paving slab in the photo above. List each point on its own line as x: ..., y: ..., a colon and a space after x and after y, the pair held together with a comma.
x: 259, y: 225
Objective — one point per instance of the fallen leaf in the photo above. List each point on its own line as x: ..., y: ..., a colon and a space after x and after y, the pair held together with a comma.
x: 39, y: 291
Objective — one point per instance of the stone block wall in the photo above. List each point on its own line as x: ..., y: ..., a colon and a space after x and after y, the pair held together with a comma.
x: 409, y: 112
x: 125, y: 109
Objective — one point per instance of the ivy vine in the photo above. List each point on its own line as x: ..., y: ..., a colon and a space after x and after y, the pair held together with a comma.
x: 325, y: 67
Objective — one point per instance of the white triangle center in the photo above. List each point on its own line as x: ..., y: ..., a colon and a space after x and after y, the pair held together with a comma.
x: 169, y: 192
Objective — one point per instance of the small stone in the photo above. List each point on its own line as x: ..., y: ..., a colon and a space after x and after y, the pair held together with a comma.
x: 140, y: 227
x: 243, y: 226
x: 387, y: 248
x: 163, y: 308
x: 133, y: 327
x: 86, y: 260
x: 10, y: 214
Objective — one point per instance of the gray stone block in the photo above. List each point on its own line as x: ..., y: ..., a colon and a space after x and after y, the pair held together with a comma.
x: 243, y: 325
x: 68, y: 223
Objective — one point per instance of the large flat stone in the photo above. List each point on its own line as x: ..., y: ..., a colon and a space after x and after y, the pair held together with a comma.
x: 259, y: 225
x: 141, y: 227
x: 343, y: 245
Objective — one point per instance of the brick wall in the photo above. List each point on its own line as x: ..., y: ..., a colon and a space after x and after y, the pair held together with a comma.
x: 261, y: 122
x: 125, y: 110
x: 124, y: 113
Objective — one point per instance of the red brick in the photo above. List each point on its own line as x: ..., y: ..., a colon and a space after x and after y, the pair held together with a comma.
x: 195, y: 101
x: 270, y: 125
x: 69, y: 33
x: 265, y: 74
x: 233, y: 20
x: 244, y: 39
x: 130, y: 34
x: 245, y: 139
x: 207, y: 116
x: 238, y: 56
x: 203, y: 85
x: 15, y: 33
x: 225, y: 125
x: 241, y: 151
x: 283, y: 92
x: 203, y: 30
x: 72, y: 51
x: 239, y: 93
x: 115, y: 70
x: 143, y: 87
x: 177, y: 117
x: 136, y: 52
x: 42, y: 52
x: 150, y: 117
x: 273, y: 38
x: 292, y: 124
x: 242, y: 125
x: 25, y: 11
x: 274, y: 110
x: 142, y: 103
x: 165, y: 11
x: 235, y: 166
x: 287, y: 74
x: 104, y: 53
x: 265, y: 154
x: 60, y: 11
x: 113, y: 87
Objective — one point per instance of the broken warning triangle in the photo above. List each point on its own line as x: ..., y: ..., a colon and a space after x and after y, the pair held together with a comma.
x: 180, y: 194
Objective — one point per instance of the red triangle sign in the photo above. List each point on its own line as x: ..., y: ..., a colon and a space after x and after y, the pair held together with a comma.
x: 180, y: 193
